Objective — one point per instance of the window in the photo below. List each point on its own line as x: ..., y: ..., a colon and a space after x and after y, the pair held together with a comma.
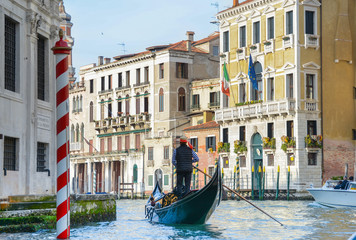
x: 110, y: 82
x: 270, y: 160
x: 41, y: 68
x: 195, y: 101
x: 211, y: 171
x: 102, y: 146
x: 138, y: 141
x: 257, y: 94
x: 311, y: 128
x: 270, y: 28
x: 42, y: 156
x: 77, y: 133
x: 210, y: 143
x: 134, y: 175
x: 353, y: 134
x: 161, y: 71
x: 270, y: 130
x: 102, y: 83
x: 289, y: 22
x: 127, y: 105
x: 194, y: 142
x: 72, y: 134
x: 242, y: 36
x: 256, y: 32
x: 11, y: 154
x: 119, y: 107
x: 309, y: 22
x: 225, y: 162
x: 270, y: 89
x: 242, y: 161
x: 242, y: 133
x: 119, y: 80
x: 119, y: 143
x: 161, y: 100
x: 312, y: 159
x: 150, y: 153
x: 226, y: 46
x: 10, y: 52
x: 127, y: 78
x: 91, y: 112
x: 215, y: 50
x: 225, y: 101
x: 181, y: 99
x: 242, y: 93
x: 110, y: 144
x: 150, y: 180
x: 127, y: 142
x: 290, y: 159
x: 146, y: 104
x: 102, y: 109
x: 182, y: 70
x: 166, y: 152
x: 225, y: 134
x: 138, y: 76
x: 290, y: 129
x: 214, y: 99
x: 109, y: 110
x: 91, y: 146
x: 82, y: 133
x: 138, y: 103
x: 290, y: 86
x: 147, y: 79
x: 310, y: 87
x: 166, y: 180
x: 91, y: 85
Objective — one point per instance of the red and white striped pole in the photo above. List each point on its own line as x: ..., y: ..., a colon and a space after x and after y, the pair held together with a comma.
x: 61, y: 51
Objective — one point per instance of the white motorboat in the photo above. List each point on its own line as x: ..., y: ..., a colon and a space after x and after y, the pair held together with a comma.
x: 328, y: 196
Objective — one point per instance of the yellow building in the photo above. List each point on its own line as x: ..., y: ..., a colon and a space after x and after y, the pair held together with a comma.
x: 280, y: 121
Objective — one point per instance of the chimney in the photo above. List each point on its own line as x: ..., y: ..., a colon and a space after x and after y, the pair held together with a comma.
x: 100, y: 60
x: 107, y: 60
x: 236, y: 2
x: 190, y: 40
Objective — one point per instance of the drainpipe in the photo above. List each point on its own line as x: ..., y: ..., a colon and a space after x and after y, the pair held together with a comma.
x: 321, y: 88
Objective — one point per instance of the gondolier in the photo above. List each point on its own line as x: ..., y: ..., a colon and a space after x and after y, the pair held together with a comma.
x: 183, y: 157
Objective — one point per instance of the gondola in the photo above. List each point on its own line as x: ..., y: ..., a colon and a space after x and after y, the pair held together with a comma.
x: 195, y: 208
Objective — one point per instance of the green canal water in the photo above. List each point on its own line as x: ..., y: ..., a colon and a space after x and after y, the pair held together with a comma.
x: 231, y: 220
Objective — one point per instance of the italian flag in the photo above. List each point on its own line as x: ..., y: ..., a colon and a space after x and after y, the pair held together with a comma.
x: 225, y: 84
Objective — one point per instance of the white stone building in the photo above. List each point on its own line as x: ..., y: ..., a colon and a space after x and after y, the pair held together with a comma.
x: 27, y: 97
x: 130, y: 111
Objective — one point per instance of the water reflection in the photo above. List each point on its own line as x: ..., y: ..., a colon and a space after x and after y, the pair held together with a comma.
x: 231, y: 220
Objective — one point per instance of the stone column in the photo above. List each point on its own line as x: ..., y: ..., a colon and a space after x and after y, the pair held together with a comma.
x: 88, y: 173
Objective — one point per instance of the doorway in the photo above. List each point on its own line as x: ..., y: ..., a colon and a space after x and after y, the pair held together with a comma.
x: 257, y: 158
x: 158, y: 177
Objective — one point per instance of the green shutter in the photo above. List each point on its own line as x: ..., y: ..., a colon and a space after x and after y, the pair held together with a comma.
x: 150, y: 180
x: 135, y: 173
x: 166, y: 180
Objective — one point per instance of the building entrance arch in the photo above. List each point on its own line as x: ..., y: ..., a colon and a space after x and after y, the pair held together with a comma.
x: 257, y: 157
x: 158, y: 177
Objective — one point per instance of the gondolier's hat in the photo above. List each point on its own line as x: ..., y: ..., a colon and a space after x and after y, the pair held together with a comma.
x: 183, y: 139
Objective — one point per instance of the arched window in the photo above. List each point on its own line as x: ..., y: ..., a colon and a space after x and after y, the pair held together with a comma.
x: 74, y: 104
x: 81, y: 103
x: 119, y: 106
x: 82, y: 133
x: 146, y: 102
x: 161, y: 100
x: 135, y: 173
x: 72, y: 134
x: 77, y: 133
x: 77, y: 103
x: 109, y: 109
x: 257, y: 94
x: 181, y: 99
x: 91, y: 112
x: 102, y: 109
x: 127, y: 105
x: 138, y: 103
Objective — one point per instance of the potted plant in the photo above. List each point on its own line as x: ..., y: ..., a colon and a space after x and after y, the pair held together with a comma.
x: 239, y: 147
x: 253, y: 47
x: 285, y: 38
x: 267, y: 43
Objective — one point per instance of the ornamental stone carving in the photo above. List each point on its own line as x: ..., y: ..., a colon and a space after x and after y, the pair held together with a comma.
x: 35, y: 21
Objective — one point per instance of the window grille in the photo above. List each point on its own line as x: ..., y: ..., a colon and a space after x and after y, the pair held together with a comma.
x: 10, y: 154
x: 10, y: 54
x: 41, y: 74
x: 41, y: 156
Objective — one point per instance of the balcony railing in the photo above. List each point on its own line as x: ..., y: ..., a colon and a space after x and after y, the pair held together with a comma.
x: 311, y: 41
x: 141, y: 84
x: 195, y: 107
x: 214, y: 104
x: 75, y: 146
x: 311, y: 105
x: 288, y: 41
x: 105, y: 91
x: 269, y: 46
x: 122, y: 88
x: 255, y: 110
x: 255, y: 48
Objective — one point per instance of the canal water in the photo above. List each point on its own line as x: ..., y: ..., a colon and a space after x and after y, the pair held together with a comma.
x: 231, y: 220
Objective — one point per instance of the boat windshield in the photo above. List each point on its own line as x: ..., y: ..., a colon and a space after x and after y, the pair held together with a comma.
x: 353, y: 186
x: 330, y: 184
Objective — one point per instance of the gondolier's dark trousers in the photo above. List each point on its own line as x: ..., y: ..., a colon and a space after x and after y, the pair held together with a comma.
x: 187, y: 176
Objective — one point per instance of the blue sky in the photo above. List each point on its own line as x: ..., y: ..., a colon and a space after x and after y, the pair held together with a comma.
x: 99, y: 27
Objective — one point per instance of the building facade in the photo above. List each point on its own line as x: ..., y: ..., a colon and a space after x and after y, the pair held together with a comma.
x: 27, y: 97
x: 131, y: 111
x: 277, y: 121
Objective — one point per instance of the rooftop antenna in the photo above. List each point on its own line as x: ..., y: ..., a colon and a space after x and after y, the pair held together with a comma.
x: 216, y: 4
x: 123, y: 47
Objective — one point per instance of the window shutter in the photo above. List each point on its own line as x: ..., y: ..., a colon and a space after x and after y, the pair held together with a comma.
x: 206, y: 144
x: 214, y: 144
x: 197, y: 146
x: 186, y: 70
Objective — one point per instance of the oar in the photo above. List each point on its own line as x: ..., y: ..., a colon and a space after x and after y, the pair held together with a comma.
x: 241, y: 197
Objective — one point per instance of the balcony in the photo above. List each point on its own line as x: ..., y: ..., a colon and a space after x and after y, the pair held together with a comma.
x: 288, y: 41
x: 311, y: 41
x: 122, y: 88
x: 195, y: 107
x: 105, y: 91
x: 255, y: 48
x: 269, y: 46
x: 241, y: 53
x: 311, y: 105
x: 75, y: 146
x: 255, y: 110
x: 214, y: 104
x: 141, y: 84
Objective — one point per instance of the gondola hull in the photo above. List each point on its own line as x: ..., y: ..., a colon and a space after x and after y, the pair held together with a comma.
x: 195, y: 208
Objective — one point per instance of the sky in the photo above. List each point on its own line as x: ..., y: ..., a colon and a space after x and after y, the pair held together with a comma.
x: 100, y: 28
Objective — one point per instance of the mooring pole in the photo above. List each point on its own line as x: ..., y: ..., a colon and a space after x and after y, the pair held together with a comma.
x: 61, y: 51
x: 277, y: 190
x: 252, y: 177
x: 288, y: 181
x: 263, y: 182
x: 259, y: 183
